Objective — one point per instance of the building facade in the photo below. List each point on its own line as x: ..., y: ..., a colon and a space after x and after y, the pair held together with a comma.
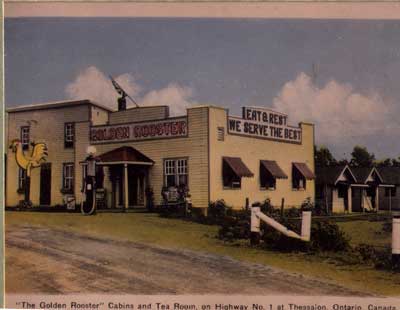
x: 344, y: 189
x: 215, y: 155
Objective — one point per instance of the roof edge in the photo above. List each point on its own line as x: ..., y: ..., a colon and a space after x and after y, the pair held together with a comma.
x: 56, y: 104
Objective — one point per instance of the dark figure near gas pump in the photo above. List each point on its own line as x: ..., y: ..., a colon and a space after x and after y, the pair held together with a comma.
x: 88, y: 206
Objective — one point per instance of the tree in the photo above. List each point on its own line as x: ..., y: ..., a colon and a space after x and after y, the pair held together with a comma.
x: 323, y: 157
x: 387, y: 162
x: 361, y: 157
x: 396, y: 162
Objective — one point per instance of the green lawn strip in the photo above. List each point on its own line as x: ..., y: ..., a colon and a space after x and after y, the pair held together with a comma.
x: 173, y: 233
x: 369, y: 232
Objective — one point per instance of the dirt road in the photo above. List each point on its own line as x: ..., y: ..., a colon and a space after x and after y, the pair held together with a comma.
x: 42, y: 260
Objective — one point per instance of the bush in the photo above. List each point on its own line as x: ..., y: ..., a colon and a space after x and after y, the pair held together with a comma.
x: 274, y: 239
x: 218, y: 210
x: 327, y: 236
x: 381, y: 258
x: 235, y: 226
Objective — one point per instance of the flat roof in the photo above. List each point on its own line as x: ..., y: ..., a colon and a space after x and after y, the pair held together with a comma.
x: 56, y: 104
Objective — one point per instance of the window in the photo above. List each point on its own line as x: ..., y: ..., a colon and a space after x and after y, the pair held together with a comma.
x: 221, y: 133
x: 230, y: 178
x: 68, y: 178
x: 69, y: 132
x: 25, y: 137
x: 267, y: 180
x: 21, y: 179
x: 390, y: 191
x: 175, y: 172
x: 298, y: 180
x: 342, y: 192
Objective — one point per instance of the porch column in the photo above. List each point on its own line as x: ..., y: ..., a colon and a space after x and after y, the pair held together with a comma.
x: 362, y: 199
x: 377, y: 198
x: 350, y: 199
x: 126, y: 197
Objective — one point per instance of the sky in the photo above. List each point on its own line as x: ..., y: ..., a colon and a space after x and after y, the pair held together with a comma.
x: 341, y: 75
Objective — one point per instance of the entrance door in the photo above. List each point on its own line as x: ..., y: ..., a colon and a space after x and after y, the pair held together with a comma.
x: 45, y: 184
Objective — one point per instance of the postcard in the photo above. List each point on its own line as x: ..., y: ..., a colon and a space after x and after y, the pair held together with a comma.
x: 202, y: 156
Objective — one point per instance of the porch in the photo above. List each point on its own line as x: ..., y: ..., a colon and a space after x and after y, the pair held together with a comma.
x: 122, y: 176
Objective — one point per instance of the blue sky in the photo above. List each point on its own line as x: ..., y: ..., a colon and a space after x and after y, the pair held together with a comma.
x: 352, y: 94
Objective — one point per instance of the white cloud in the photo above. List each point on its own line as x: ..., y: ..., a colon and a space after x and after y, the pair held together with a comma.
x: 339, y: 113
x: 93, y: 84
x: 177, y: 97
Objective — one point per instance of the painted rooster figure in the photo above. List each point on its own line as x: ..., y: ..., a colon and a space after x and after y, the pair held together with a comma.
x: 38, y: 155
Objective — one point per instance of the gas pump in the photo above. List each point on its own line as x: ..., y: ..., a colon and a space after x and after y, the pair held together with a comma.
x: 88, y: 204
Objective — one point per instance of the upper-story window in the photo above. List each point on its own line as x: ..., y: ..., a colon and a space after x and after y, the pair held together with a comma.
x: 176, y: 172
x: 221, y: 133
x: 69, y: 135
x: 25, y: 137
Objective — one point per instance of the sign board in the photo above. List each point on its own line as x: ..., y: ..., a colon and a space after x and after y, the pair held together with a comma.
x: 160, y: 129
x: 265, y: 124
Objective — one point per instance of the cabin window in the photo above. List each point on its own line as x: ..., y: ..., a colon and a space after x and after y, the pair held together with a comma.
x: 68, y: 177
x: 267, y: 180
x: 25, y: 137
x: 390, y: 191
x: 221, y: 133
x: 342, y: 192
x: 176, y: 172
x: 21, y: 179
x: 69, y: 135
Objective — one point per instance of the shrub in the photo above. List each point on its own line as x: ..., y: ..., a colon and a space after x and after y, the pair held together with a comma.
x: 387, y: 227
x: 273, y: 239
x: 235, y: 226
x: 381, y: 258
x: 327, y: 236
x: 218, y: 210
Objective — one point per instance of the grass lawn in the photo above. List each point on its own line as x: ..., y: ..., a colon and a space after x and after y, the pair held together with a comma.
x: 365, y: 231
x: 173, y: 233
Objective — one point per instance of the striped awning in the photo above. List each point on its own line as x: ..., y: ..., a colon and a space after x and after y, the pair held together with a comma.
x: 304, y: 170
x: 238, y: 166
x: 274, y: 169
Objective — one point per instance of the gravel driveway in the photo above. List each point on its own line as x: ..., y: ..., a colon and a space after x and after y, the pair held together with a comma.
x: 48, y: 261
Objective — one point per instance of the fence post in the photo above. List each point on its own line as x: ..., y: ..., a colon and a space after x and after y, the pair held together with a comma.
x: 396, y: 242
x: 255, y: 225
x: 306, y: 225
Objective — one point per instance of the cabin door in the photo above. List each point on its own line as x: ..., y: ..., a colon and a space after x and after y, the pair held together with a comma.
x: 45, y: 184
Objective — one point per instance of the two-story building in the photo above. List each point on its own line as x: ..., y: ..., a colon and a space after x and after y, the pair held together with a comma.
x: 217, y: 156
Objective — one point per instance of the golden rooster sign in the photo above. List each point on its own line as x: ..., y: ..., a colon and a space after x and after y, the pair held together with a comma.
x: 39, y: 154
x: 27, y: 163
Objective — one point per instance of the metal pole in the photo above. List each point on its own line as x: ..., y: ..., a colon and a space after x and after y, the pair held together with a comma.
x: 126, y: 197
x: 396, y: 242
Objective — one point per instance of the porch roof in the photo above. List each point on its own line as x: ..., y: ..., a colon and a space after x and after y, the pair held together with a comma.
x: 330, y: 174
x: 390, y: 175
x: 124, y: 154
x: 362, y: 174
